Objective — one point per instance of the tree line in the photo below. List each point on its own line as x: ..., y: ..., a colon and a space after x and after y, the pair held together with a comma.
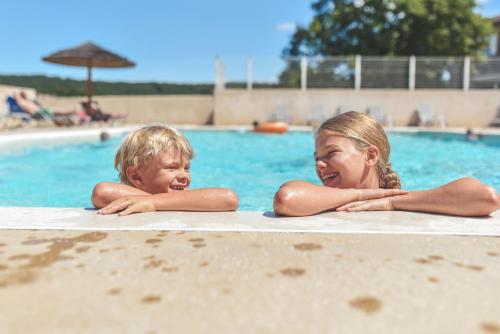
x: 70, y: 87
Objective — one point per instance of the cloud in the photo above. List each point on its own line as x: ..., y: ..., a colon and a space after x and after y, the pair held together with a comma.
x: 286, y: 27
x: 482, y: 2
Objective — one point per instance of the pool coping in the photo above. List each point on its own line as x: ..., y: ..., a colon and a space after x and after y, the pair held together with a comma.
x: 387, y: 222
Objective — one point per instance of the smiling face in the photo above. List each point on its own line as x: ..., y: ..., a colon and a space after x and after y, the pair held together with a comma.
x: 167, y: 172
x: 339, y: 164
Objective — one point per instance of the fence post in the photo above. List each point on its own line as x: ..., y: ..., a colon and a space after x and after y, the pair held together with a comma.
x: 412, y: 72
x: 219, y: 75
x: 303, y: 73
x: 466, y: 84
x: 249, y: 74
x: 357, y: 73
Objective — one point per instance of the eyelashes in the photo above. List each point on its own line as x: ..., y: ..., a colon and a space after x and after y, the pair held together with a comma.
x: 327, y: 156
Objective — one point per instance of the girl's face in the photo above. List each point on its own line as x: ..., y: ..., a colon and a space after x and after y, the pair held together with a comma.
x: 339, y: 164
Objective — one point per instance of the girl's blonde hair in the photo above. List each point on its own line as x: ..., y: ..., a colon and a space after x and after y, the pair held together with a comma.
x: 140, y: 146
x: 364, y: 131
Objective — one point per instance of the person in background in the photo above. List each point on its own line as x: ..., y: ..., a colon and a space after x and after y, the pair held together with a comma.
x: 37, y: 111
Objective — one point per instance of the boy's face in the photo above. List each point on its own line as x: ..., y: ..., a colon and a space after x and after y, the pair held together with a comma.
x: 167, y: 172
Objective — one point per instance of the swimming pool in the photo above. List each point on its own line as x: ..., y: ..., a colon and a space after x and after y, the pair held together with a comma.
x: 253, y: 165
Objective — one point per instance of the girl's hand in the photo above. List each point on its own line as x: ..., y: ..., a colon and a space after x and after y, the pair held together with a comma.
x: 370, y: 194
x: 129, y: 204
x: 380, y: 204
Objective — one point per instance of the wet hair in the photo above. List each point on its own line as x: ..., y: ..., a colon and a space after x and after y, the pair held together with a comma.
x: 142, y: 145
x: 364, y: 131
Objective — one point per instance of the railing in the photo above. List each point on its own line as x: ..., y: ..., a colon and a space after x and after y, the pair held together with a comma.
x: 368, y: 72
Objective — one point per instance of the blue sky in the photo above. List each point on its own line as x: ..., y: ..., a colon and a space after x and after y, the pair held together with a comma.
x: 171, y: 41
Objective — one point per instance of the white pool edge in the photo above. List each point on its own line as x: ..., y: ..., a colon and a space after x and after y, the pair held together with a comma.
x: 394, y: 222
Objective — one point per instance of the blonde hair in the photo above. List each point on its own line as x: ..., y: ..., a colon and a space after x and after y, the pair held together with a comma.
x: 140, y: 146
x: 364, y: 131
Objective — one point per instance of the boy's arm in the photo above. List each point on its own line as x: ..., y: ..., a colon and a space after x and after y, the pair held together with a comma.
x: 207, y: 199
x: 463, y: 197
x: 299, y: 198
x: 107, y: 192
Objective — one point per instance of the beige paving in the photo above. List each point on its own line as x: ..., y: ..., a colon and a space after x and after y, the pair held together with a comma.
x: 230, y: 282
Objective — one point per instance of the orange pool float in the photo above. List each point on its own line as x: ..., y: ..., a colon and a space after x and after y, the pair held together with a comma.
x: 271, y: 127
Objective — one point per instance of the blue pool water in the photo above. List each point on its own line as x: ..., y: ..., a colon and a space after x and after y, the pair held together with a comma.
x: 253, y: 165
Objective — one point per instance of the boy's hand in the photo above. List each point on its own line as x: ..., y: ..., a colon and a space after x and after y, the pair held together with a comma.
x: 129, y: 204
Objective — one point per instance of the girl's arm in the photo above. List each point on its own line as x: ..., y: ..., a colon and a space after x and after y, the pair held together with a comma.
x: 463, y: 197
x: 107, y: 192
x: 299, y: 198
x: 207, y: 199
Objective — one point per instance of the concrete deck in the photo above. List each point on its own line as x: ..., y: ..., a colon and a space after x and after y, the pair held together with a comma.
x: 142, y: 274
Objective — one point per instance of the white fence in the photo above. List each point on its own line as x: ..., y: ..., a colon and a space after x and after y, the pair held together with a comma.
x: 369, y: 72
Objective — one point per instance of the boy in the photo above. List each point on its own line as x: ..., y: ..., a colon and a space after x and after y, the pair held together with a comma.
x: 153, y: 163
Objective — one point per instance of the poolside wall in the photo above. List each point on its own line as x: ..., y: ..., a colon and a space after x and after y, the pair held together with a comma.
x: 174, y: 109
x: 475, y: 108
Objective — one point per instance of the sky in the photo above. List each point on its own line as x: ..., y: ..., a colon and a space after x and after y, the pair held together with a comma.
x: 169, y: 40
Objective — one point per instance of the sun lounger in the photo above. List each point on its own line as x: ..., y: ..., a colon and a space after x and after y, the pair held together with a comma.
x: 496, y: 121
x: 379, y: 115
x: 282, y: 114
x: 41, y: 115
x: 423, y: 116
x: 341, y: 109
x: 15, y: 110
x: 317, y: 116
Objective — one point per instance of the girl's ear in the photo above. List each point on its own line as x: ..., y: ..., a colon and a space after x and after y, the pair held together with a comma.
x: 372, y: 155
x: 134, y: 177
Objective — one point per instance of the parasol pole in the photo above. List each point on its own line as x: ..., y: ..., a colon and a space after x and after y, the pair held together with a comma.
x: 89, y: 85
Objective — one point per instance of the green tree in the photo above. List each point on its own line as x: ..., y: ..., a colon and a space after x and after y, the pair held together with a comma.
x: 389, y: 28
x: 392, y: 27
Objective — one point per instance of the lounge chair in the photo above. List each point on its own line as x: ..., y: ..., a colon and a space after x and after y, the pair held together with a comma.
x: 441, y: 121
x: 423, y: 116
x: 495, y: 123
x: 96, y: 114
x: 282, y: 114
x: 317, y: 116
x: 15, y: 111
x: 32, y: 111
x: 379, y: 115
x: 341, y: 109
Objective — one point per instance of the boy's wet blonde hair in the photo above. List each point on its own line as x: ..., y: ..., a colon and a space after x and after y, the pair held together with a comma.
x: 140, y: 146
x: 364, y: 131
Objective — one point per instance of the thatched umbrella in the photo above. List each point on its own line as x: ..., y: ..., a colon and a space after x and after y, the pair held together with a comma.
x: 88, y: 55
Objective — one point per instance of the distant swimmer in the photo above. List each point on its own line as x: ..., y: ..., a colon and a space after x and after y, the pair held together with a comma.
x: 104, y: 136
x: 471, y: 135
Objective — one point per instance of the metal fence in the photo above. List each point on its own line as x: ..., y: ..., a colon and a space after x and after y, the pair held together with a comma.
x: 357, y: 72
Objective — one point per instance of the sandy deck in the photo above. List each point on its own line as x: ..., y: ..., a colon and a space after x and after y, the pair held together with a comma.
x: 150, y: 279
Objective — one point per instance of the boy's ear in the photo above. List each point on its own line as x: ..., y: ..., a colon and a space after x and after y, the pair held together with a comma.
x: 372, y: 155
x: 134, y: 177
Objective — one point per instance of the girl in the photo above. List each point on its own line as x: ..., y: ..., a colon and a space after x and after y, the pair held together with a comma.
x: 352, y: 161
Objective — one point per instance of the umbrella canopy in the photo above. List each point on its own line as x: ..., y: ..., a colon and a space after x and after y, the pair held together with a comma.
x: 88, y: 55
